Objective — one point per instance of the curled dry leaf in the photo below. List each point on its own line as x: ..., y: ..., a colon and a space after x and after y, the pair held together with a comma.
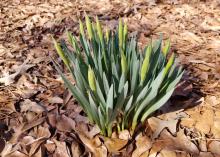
x: 30, y: 125
x: 94, y: 145
x: 94, y: 131
x: 35, y: 145
x: 143, y: 144
x: 7, y: 78
x: 65, y: 124
x: 61, y: 149
x: 28, y: 105
x: 89, y: 131
x: 157, y: 125
x: 180, y: 142
x: 43, y: 132
x: 114, y: 145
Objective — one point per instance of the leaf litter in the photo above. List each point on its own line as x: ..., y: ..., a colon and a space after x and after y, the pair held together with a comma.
x: 37, y: 115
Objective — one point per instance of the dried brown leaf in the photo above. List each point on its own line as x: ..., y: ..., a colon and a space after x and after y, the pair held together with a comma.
x: 7, y: 78
x: 157, y: 125
x: 94, y: 145
x: 55, y: 100
x: 180, y: 142
x: 35, y: 145
x: 214, y: 147
x: 205, y: 121
x: 205, y: 154
x: 30, y: 125
x: 75, y: 149
x: 28, y: 105
x: 61, y: 149
x: 143, y: 144
x: 114, y: 145
x: 167, y: 153
x: 215, y: 129
x: 65, y: 124
x: 50, y: 146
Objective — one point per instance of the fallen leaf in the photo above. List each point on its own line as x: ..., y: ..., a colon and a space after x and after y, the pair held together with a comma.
x: 17, y: 154
x: 65, y: 124
x: 180, y: 142
x: 30, y: 125
x: 61, y: 149
x: 28, y: 105
x: 39, y: 153
x: 114, y: 145
x: 8, y: 79
x: 157, y: 125
x: 214, y: 147
x: 75, y: 149
x: 203, y: 145
x: 55, y: 100
x: 143, y: 144
x: 94, y: 145
x: 50, y: 146
x: 205, y: 121
x: 27, y: 140
x: 215, y: 128
x: 43, y: 132
x: 94, y: 131
x: 205, y: 154
x: 35, y: 145
x: 167, y: 153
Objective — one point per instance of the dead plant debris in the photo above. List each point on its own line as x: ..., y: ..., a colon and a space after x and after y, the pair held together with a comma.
x: 38, y: 116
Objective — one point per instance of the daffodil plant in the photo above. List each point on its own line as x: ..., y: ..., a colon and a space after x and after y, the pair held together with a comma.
x: 117, y: 84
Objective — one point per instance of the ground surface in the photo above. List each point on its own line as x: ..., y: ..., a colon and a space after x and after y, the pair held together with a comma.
x: 38, y: 117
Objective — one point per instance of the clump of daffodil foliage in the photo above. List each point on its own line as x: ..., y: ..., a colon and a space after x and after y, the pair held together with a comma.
x: 117, y: 84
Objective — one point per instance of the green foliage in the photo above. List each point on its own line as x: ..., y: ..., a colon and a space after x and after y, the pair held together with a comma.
x: 117, y: 85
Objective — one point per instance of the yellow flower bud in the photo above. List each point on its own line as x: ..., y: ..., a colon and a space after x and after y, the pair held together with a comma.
x: 81, y: 29
x: 145, y: 64
x: 123, y: 63
x: 91, y: 78
x: 120, y: 34
x: 166, y: 47
x: 99, y: 29
x: 89, y: 27
x: 61, y: 53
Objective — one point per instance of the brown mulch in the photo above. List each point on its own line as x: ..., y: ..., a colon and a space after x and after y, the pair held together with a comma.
x: 38, y: 116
